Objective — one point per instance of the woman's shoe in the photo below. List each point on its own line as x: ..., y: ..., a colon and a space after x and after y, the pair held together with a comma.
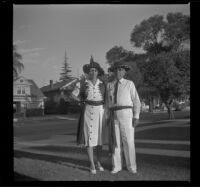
x: 100, y: 168
x: 93, y: 171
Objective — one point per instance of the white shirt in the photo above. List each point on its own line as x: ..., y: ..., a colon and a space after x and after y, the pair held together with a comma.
x: 94, y: 94
x: 126, y: 96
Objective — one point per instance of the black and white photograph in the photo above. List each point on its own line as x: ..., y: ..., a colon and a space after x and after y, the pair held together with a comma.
x: 101, y: 92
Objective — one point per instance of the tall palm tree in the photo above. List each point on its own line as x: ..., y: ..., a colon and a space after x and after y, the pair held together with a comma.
x: 17, y: 64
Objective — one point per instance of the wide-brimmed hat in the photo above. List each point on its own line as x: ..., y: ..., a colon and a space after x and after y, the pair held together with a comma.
x: 92, y: 64
x: 119, y: 64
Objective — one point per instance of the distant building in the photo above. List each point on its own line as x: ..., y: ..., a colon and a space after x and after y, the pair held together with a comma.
x: 27, y: 96
x: 58, y: 94
x: 59, y: 90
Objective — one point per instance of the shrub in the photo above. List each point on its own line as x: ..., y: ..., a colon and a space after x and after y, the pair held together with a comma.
x: 74, y: 107
x: 50, y: 107
x: 180, y: 106
x: 34, y: 112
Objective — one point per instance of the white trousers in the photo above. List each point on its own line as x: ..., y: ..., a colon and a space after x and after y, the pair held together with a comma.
x: 125, y: 138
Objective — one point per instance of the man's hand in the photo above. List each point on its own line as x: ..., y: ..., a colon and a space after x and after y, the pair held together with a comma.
x: 135, y: 122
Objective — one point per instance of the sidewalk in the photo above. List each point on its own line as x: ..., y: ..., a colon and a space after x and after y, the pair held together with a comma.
x: 47, y: 117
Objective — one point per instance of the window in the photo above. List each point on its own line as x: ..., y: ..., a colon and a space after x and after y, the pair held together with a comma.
x: 21, y: 90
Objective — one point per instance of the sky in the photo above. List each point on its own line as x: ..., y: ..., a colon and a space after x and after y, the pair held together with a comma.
x: 43, y: 33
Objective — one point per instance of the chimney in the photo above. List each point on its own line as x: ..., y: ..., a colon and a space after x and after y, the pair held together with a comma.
x: 51, y: 83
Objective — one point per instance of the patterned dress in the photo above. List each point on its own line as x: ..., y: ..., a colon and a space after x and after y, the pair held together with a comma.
x: 93, y: 115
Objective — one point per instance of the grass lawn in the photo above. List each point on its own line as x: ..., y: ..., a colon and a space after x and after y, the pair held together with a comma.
x: 164, y: 116
x: 181, y: 147
x: 165, y: 133
x: 52, y: 162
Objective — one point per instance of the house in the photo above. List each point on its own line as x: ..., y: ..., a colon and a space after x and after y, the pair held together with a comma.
x: 27, y: 97
x: 58, y: 94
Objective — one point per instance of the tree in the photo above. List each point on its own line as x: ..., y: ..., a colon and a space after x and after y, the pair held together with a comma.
x: 148, y: 32
x: 166, y: 67
x: 182, y: 62
x: 146, y: 92
x: 115, y: 54
x: 177, y: 29
x: 64, y: 75
x: 17, y: 62
x: 170, y: 76
x: 155, y: 35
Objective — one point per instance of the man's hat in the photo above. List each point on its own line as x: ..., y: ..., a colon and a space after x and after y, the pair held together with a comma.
x: 119, y: 64
x: 92, y: 64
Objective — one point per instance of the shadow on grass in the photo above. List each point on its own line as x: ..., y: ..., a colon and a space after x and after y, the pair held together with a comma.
x: 20, y: 177
x: 79, y: 162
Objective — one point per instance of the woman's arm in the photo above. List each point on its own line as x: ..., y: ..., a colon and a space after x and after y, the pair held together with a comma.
x: 76, y: 98
x: 76, y: 92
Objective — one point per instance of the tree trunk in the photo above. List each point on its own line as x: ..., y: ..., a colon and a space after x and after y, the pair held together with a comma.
x: 170, y: 112
x: 150, y: 105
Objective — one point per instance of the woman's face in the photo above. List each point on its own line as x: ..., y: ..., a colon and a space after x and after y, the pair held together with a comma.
x: 93, y: 73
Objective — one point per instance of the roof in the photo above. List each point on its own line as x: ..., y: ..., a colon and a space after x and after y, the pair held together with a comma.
x: 57, y: 85
x: 35, y: 91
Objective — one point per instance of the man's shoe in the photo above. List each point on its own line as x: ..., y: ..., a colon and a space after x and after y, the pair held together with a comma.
x: 115, y: 171
x: 132, y: 171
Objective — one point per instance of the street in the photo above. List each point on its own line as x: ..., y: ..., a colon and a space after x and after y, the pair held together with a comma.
x: 46, y: 150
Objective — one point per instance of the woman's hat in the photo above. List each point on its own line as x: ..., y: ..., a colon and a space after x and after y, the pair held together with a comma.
x: 119, y: 64
x: 92, y: 64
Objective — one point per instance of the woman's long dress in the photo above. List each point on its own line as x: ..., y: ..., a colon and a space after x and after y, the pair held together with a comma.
x: 93, y: 115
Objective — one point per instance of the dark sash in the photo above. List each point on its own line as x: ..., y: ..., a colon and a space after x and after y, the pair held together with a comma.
x: 80, y: 131
x: 94, y: 103
x: 111, y: 127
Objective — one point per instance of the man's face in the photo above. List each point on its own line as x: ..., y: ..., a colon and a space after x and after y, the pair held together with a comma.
x: 120, y: 73
x: 93, y: 73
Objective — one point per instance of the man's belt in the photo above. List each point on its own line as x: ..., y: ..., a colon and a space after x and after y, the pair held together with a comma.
x: 94, y: 103
x: 119, y: 108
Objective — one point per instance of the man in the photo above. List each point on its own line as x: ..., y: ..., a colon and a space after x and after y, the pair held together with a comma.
x: 124, y: 106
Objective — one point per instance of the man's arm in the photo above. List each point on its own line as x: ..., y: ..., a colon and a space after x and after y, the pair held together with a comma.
x: 136, y: 104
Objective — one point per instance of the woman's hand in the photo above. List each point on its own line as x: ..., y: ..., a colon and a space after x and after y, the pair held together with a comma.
x: 75, y: 98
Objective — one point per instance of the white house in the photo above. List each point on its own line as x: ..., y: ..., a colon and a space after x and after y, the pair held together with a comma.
x: 26, y: 95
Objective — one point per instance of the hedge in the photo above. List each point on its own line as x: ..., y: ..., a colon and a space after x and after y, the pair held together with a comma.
x: 34, y: 112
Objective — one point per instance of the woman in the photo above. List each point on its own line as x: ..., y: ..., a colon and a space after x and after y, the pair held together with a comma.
x: 91, y: 94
